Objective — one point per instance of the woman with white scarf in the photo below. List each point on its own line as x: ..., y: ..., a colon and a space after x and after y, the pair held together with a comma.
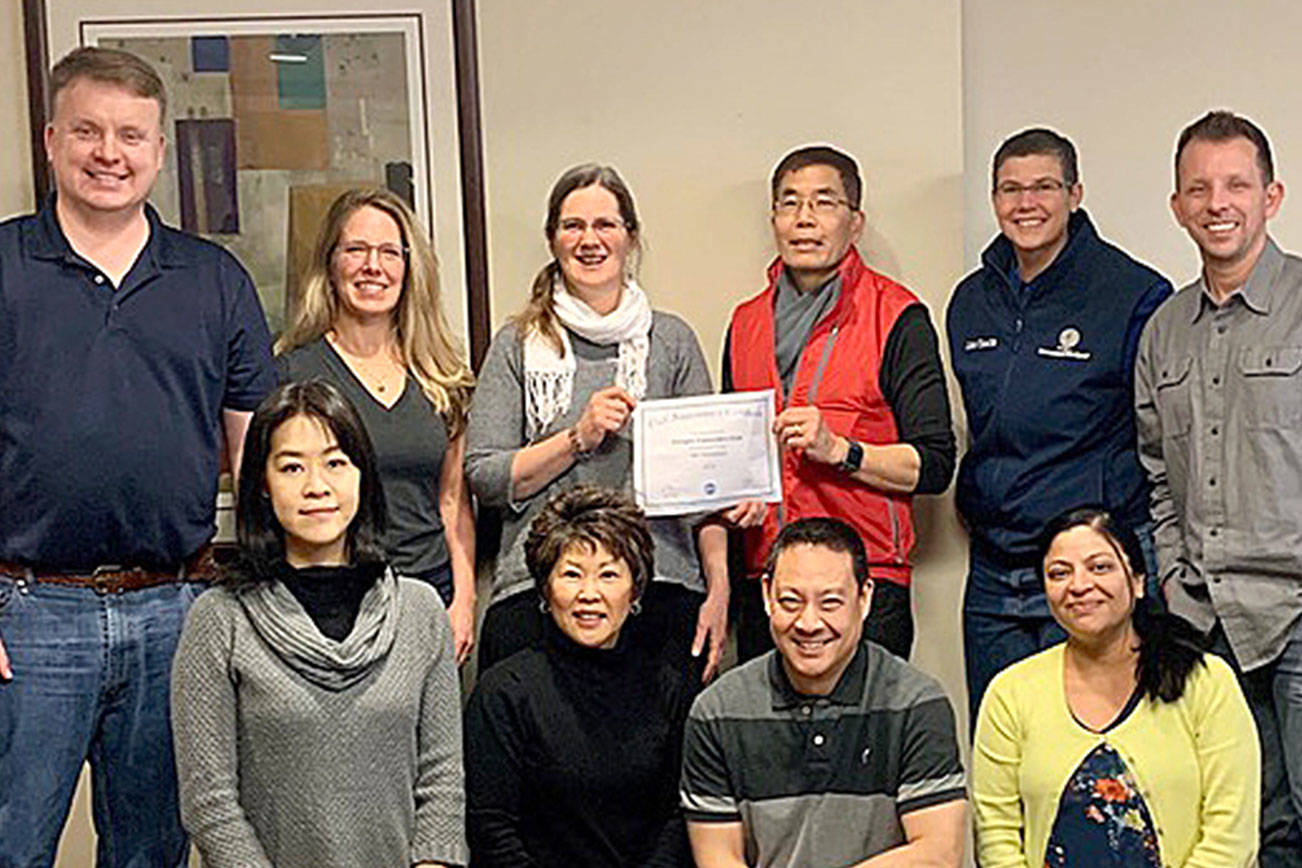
x: 551, y: 411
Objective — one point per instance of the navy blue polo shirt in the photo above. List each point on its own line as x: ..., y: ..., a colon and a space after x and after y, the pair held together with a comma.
x: 111, y: 400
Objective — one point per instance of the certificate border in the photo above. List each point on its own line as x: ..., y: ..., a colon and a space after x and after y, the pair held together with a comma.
x: 704, y: 504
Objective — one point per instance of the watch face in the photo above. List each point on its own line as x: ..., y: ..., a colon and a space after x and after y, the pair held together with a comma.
x: 853, y: 458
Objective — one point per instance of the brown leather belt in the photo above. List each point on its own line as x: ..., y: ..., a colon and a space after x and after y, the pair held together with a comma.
x: 116, y: 579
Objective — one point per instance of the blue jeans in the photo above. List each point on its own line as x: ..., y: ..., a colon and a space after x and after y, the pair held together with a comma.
x: 1274, y: 693
x: 1006, y: 617
x: 91, y: 681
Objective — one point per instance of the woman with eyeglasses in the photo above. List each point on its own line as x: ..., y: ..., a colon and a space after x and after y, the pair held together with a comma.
x: 552, y: 410
x: 370, y: 320
x: 1126, y: 745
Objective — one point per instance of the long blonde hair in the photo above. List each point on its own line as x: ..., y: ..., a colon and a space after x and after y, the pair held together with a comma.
x: 428, y: 348
x: 538, y: 313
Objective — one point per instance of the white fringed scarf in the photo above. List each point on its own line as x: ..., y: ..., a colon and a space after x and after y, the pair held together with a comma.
x: 549, y: 376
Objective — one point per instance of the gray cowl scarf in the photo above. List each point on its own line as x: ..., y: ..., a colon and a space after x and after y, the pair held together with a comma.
x: 284, y: 625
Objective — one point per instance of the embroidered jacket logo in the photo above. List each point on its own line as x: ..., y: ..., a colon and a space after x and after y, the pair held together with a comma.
x: 980, y: 344
x: 1068, y: 338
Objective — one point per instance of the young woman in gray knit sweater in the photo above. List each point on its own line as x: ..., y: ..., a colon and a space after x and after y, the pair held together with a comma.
x: 550, y: 412
x: 315, y: 702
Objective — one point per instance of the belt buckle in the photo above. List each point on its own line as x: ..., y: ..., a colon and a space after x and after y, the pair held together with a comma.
x: 99, y: 580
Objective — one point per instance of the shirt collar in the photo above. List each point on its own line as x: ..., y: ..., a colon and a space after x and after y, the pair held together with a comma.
x: 1258, y: 293
x: 46, y: 240
x: 1000, y: 257
x: 848, y: 691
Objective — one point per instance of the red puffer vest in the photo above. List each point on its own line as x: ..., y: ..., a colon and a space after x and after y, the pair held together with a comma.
x: 838, y: 372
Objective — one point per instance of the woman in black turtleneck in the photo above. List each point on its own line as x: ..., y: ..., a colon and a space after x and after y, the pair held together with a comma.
x: 572, y: 750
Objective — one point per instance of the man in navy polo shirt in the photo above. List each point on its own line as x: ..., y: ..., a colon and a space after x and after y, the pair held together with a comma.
x: 127, y: 350
x: 827, y: 750
x: 1043, y: 339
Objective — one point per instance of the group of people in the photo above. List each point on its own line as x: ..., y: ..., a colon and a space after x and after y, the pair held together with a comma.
x: 1132, y: 616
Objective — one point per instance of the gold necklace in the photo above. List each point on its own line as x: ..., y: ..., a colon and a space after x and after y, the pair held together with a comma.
x: 363, y: 366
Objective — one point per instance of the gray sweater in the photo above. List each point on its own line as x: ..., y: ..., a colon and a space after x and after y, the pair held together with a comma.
x: 275, y: 770
x: 675, y: 368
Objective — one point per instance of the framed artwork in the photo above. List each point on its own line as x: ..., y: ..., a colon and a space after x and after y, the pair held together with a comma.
x: 272, y: 114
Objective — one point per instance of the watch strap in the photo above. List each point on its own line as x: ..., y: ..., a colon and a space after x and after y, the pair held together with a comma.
x: 853, y: 459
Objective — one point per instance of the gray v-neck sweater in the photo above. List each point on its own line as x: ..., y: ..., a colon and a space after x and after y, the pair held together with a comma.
x: 275, y: 770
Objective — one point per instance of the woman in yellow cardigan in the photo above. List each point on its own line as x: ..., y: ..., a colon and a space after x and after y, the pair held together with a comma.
x: 1124, y: 746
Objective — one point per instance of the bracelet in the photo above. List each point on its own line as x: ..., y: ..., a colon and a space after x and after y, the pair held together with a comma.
x: 576, y: 446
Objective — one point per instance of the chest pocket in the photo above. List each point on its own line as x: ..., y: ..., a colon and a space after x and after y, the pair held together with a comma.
x: 1175, y: 397
x: 1271, y: 380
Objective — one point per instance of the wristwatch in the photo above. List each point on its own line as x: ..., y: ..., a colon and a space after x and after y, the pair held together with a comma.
x: 853, y: 459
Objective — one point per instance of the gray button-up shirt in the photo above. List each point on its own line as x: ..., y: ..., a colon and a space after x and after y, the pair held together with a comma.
x: 1218, y: 402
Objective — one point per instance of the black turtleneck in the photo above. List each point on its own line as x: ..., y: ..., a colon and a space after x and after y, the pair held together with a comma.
x: 572, y: 758
x: 331, y: 596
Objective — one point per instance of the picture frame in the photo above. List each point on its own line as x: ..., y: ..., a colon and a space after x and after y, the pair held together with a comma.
x: 272, y: 113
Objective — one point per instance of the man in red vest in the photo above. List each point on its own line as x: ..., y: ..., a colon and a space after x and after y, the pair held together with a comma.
x: 863, y: 415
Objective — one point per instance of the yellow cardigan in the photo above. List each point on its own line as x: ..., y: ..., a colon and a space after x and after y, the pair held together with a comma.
x: 1196, y: 761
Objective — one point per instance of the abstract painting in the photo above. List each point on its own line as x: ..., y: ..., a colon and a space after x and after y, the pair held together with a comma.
x: 266, y: 114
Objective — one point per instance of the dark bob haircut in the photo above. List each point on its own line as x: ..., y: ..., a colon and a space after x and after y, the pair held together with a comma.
x: 1169, y: 648
x: 822, y: 155
x: 590, y: 516
x: 260, y: 536
x: 829, y: 533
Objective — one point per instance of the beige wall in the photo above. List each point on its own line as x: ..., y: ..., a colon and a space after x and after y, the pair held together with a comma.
x: 1121, y: 80
x: 15, y: 157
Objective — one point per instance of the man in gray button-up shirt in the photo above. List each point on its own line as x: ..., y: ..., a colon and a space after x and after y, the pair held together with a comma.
x: 1218, y: 391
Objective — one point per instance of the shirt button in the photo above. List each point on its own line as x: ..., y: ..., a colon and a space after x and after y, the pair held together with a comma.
x: 1213, y: 532
x: 806, y: 710
x: 1220, y: 330
x: 1212, y: 482
x: 1216, y: 580
x: 99, y: 278
x: 1215, y: 430
x: 1216, y: 381
x: 818, y: 740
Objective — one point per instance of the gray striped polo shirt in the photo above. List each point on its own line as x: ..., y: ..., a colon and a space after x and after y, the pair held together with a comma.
x: 820, y: 780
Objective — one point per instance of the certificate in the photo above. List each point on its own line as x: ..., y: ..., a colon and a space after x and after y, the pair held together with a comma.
x: 706, y: 452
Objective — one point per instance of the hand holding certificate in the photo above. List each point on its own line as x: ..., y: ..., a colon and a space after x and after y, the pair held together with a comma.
x: 705, y: 453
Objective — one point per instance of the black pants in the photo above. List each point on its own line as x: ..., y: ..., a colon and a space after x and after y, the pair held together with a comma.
x: 889, y: 623
x: 664, y: 628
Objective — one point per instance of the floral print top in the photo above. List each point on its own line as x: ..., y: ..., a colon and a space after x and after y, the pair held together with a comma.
x: 1103, y: 820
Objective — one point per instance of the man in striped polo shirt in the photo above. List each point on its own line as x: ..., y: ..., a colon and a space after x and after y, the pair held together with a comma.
x: 827, y: 750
